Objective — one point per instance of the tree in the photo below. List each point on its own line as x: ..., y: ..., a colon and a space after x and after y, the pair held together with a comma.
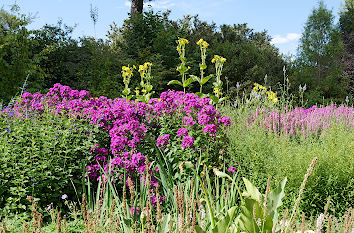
x: 346, y: 24
x: 17, y: 60
x: 319, y: 53
x: 137, y: 7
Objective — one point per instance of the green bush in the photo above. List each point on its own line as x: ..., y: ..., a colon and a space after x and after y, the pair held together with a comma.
x: 260, y: 155
x: 42, y: 156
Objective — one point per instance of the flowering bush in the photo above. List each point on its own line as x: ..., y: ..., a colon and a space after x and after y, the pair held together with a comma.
x: 183, y: 126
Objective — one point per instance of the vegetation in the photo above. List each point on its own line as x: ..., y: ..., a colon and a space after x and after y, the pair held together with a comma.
x: 110, y: 150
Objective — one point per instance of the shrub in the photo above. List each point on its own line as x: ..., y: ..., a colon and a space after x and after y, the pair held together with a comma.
x: 43, y: 155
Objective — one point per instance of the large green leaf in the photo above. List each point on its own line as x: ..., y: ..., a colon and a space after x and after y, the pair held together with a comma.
x: 164, y: 227
x: 252, y: 191
x: 274, y: 200
x: 224, y: 224
x: 188, y: 82
x: 198, y: 229
x: 175, y: 82
x: 195, y: 78
x: 206, y: 79
x: 252, y: 218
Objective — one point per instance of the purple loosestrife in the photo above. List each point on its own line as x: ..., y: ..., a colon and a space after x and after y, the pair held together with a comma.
x: 301, y: 121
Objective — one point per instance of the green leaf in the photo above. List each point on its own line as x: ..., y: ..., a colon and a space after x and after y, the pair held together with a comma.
x: 148, y: 87
x: 183, y: 68
x: 206, y: 79
x: 188, y: 82
x: 203, y: 66
x: 221, y: 174
x: 175, y: 82
x: 224, y: 224
x: 195, y: 78
x: 223, y: 98
x: 247, y: 221
x: 126, y: 91
x: 275, y: 200
x: 164, y: 226
x: 252, y: 191
x: 198, y: 229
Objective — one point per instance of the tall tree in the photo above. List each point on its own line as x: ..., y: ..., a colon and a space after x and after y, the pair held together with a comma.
x: 319, y: 54
x: 137, y: 7
x: 346, y: 24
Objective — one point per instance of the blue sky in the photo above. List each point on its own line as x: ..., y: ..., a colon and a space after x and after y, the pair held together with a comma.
x: 282, y: 19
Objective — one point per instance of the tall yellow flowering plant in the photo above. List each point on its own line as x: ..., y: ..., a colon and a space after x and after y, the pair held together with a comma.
x: 202, y: 66
x: 182, y: 68
x: 146, y: 87
x: 127, y: 74
x: 219, y: 63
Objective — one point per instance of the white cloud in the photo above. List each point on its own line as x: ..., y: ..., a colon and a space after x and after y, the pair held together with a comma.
x: 155, y: 4
x: 278, y: 39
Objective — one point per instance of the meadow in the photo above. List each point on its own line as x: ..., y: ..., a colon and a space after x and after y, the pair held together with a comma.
x: 175, y: 161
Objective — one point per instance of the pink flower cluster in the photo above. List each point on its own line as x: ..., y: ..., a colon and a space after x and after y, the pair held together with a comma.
x: 127, y: 122
x: 301, y: 121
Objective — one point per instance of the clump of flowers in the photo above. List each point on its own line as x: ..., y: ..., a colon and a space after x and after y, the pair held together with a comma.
x: 219, y: 63
x: 202, y: 66
x: 260, y: 92
x: 127, y: 74
x: 301, y: 121
x: 131, y: 125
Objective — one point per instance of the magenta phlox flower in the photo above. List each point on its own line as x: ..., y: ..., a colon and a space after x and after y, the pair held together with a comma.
x: 182, y: 132
x: 187, y: 142
x: 211, y: 129
x: 163, y: 140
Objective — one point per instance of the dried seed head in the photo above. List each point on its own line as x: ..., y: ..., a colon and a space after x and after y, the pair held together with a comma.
x: 59, y: 222
x: 327, y: 205
x: 25, y: 227
x: 303, y: 223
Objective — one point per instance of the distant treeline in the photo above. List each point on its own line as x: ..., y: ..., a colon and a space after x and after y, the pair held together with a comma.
x: 51, y: 55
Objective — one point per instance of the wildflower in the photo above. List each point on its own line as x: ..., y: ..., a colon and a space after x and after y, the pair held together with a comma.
x: 64, y: 196
x: 210, y: 128
x: 182, y: 132
x: 188, y: 141
x: 202, y: 43
x: 163, y: 140
x: 134, y: 211
x: 182, y: 41
x: 232, y: 169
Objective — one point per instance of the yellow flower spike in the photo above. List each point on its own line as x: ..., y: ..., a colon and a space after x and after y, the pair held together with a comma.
x: 143, y: 91
x: 200, y: 42
x: 223, y: 59
x: 141, y: 68
x: 182, y: 41
x: 134, y: 67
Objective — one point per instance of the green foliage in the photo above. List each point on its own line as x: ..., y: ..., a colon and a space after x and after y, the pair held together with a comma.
x: 43, y: 156
x: 346, y: 17
x: 260, y: 154
x: 17, y: 59
x: 318, y: 61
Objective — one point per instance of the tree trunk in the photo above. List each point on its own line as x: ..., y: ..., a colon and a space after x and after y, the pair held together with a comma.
x: 136, y: 7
